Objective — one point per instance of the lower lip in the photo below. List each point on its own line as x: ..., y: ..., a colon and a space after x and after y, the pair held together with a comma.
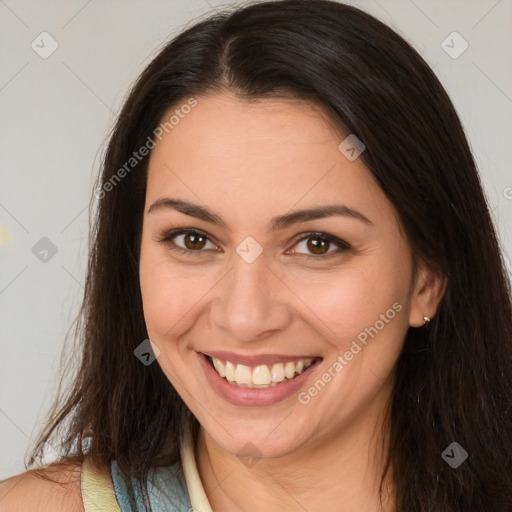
x: 253, y: 396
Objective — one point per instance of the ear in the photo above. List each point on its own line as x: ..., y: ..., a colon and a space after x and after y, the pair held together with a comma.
x: 428, y: 290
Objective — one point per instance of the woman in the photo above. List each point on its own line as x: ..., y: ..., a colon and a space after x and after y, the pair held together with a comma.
x: 290, y: 212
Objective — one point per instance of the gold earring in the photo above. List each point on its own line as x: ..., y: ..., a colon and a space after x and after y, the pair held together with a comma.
x: 426, y: 320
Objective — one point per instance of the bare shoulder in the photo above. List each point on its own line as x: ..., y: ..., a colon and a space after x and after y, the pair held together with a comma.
x: 53, y: 488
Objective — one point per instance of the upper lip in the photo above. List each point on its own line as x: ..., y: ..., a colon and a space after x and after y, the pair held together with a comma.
x: 255, y: 360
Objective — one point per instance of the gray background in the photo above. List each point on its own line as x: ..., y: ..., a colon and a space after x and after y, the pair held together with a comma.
x: 57, y: 112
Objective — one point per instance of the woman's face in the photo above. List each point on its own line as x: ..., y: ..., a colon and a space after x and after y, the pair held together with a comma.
x: 266, y: 289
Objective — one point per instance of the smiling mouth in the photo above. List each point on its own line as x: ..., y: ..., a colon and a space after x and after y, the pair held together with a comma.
x: 262, y: 376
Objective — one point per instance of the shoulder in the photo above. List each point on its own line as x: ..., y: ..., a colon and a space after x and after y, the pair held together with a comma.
x: 52, y: 488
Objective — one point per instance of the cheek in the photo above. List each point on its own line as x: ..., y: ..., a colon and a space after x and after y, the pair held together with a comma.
x: 167, y: 294
x: 343, y: 304
x: 168, y: 300
x: 363, y: 316
x: 362, y: 308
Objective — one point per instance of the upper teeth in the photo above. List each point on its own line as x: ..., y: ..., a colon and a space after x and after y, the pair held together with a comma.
x: 261, y: 376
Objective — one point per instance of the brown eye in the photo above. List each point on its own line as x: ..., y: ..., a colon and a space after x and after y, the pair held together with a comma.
x: 317, y: 245
x: 187, y: 241
x: 194, y: 241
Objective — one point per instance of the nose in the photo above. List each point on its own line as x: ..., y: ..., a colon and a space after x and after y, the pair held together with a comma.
x: 251, y: 302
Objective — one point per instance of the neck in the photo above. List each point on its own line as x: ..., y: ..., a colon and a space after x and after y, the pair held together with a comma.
x: 339, y: 473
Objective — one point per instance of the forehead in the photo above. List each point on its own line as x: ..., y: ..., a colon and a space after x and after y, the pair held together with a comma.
x: 258, y: 155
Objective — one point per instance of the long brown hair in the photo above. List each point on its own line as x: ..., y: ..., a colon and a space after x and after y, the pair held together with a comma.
x: 454, y: 378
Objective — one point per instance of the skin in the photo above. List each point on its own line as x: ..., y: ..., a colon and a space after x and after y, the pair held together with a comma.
x: 249, y: 161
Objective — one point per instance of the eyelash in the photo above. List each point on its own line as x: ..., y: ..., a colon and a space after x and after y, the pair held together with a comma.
x: 166, y: 238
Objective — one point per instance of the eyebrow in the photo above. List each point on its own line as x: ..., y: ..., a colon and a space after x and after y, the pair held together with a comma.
x: 279, y: 222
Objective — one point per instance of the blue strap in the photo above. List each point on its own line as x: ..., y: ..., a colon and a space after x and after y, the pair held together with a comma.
x: 166, y: 488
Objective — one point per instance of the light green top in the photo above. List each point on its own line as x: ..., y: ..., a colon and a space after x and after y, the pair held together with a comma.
x: 177, y: 488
